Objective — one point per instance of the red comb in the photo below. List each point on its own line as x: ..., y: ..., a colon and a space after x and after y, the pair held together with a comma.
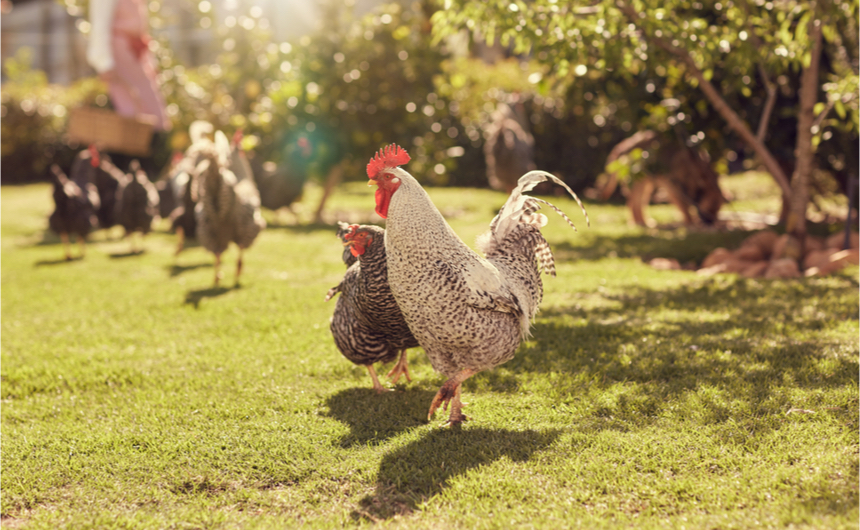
x: 94, y: 155
x: 350, y: 232
x: 389, y: 156
x: 237, y: 137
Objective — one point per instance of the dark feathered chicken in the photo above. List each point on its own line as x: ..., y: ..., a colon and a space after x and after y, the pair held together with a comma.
x: 367, y: 324
x: 183, y: 220
x: 75, y: 210
x: 226, y: 210
x: 137, y: 203
x: 280, y: 185
x: 92, y: 167
x: 509, y: 148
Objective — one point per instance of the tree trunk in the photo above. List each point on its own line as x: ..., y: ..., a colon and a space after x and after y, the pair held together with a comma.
x: 804, y: 152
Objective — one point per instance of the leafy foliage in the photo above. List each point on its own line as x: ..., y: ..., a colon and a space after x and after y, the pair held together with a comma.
x: 34, y: 118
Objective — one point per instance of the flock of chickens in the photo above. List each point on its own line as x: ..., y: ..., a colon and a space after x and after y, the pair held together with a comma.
x: 417, y: 283
x: 414, y: 283
x: 210, y: 192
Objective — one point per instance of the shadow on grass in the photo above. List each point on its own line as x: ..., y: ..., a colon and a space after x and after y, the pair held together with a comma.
x: 683, y: 245
x: 176, y: 270
x: 422, y: 469
x: 129, y: 254
x: 196, y: 296
x: 732, y: 346
x: 372, y: 416
x: 59, y: 261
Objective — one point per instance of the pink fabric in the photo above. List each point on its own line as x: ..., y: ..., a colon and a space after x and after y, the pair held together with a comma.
x: 133, y: 88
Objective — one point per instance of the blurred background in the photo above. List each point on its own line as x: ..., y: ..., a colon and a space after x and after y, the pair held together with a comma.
x: 567, y: 82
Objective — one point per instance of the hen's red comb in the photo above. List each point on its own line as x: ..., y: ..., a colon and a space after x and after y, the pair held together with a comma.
x: 94, y: 155
x: 389, y: 156
x: 350, y: 232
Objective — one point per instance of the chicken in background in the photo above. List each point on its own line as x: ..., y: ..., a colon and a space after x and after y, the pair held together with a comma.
x: 183, y: 220
x: 136, y: 204
x: 468, y: 312
x: 169, y: 192
x: 92, y: 167
x: 75, y: 210
x: 367, y: 324
x: 509, y: 147
x: 227, y: 209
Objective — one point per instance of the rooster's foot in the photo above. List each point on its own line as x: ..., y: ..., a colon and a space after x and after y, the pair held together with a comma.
x: 456, y: 419
x: 443, y: 397
x: 401, y: 368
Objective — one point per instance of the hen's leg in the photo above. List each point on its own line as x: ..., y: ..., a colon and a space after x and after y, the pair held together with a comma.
x: 239, y: 266
x: 180, y: 232
x: 376, y: 384
x: 401, y: 368
x: 83, y: 244
x: 450, y: 393
x: 64, y: 237
x: 217, y: 269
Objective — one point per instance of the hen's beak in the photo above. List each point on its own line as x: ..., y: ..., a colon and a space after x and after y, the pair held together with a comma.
x: 371, y: 182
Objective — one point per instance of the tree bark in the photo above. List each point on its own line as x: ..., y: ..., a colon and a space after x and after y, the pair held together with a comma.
x: 804, y: 152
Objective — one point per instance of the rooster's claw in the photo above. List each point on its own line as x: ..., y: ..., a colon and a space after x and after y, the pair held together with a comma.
x: 443, y: 397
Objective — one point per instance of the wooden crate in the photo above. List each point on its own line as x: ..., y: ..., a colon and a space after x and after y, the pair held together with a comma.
x: 110, y: 131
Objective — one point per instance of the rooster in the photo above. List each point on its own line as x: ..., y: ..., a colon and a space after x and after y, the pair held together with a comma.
x: 367, y: 325
x: 468, y: 312
x: 75, y: 211
x: 227, y: 210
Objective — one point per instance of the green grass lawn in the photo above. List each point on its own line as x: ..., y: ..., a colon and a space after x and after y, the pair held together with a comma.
x: 134, y: 395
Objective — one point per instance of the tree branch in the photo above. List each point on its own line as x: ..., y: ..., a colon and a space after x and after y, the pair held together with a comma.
x: 734, y: 121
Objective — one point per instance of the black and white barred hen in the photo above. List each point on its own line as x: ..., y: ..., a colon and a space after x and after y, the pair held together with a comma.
x: 136, y: 203
x: 75, y: 210
x: 468, y: 312
x: 367, y: 324
x: 227, y: 210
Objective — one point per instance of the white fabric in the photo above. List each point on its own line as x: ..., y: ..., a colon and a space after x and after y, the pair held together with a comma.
x: 99, y: 53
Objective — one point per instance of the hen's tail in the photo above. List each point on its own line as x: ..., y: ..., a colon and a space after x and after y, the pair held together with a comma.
x: 522, y: 210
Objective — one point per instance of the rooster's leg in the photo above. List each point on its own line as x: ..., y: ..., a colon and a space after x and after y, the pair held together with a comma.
x: 401, y: 368
x: 450, y: 393
x: 376, y: 384
x: 64, y: 237
x: 180, y: 232
x: 83, y: 244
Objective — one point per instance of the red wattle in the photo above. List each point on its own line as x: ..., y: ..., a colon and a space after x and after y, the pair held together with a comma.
x: 355, y: 252
x: 383, y: 198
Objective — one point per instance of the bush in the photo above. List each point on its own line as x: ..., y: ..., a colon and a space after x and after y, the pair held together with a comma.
x: 35, y: 117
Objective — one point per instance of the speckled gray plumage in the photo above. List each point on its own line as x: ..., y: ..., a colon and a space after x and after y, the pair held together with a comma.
x: 367, y: 324
x: 467, y: 312
x: 226, y: 210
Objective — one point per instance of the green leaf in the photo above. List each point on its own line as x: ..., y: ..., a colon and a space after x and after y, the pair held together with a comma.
x: 839, y: 107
